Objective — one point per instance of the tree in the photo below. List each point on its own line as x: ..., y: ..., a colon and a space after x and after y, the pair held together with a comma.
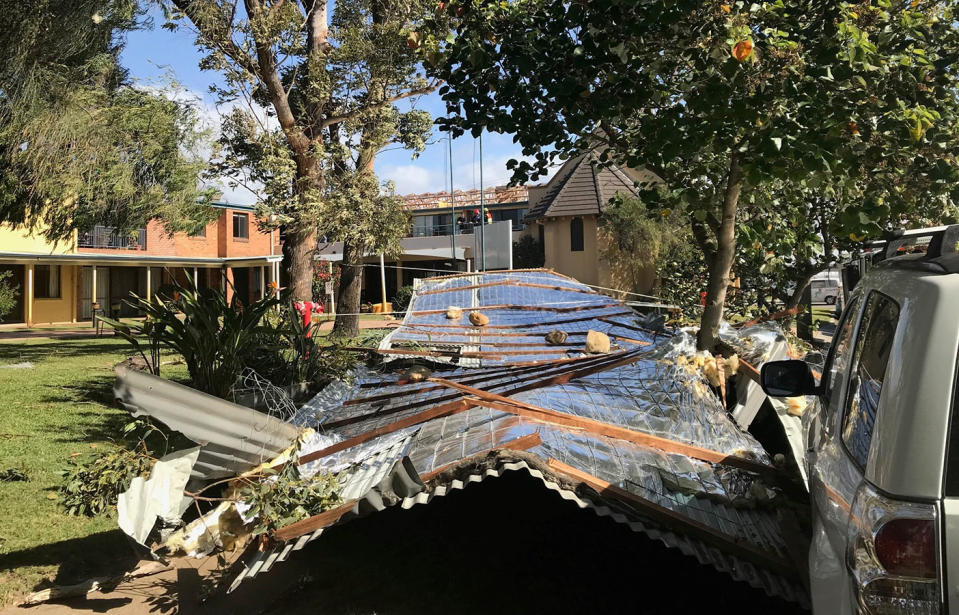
x: 722, y: 101
x: 330, y: 79
x: 9, y: 291
x: 79, y: 145
x: 635, y: 244
x: 528, y: 253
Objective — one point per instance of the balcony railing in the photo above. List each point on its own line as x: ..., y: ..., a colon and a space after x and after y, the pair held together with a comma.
x: 440, y: 230
x: 107, y: 237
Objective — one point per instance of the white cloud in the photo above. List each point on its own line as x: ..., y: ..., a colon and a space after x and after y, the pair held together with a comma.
x: 411, y: 178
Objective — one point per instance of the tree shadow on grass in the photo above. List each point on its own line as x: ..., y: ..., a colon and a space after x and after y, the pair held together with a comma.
x: 16, y: 351
x: 104, y: 554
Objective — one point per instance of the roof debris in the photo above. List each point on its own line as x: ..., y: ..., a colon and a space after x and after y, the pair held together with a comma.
x: 633, y: 433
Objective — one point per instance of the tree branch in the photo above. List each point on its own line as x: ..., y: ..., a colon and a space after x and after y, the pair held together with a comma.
x: 271, y: 79
x: 339, y: 119
x: 217, y: 35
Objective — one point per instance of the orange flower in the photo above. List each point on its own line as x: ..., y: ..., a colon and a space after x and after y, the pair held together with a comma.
x: 854, y: 128
x: 725, y: 8
x: 742, y: 50
x: 273, y: 285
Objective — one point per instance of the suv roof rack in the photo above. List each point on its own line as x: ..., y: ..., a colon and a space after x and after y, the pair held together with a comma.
x: 933, y: 242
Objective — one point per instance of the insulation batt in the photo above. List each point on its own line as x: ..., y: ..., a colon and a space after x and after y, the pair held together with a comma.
x: 479, y: 319
x: 597, y: 342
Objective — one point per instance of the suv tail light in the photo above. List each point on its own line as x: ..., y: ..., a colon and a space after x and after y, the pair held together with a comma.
x: 893, y: 555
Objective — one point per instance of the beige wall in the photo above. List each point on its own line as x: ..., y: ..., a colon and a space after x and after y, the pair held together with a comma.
x: 21, y: 240
x: 588, y: 266
x: 47, y: 311
x: 584, y: 266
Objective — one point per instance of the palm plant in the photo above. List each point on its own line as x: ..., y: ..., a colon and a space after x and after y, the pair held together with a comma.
x: 214, y: 336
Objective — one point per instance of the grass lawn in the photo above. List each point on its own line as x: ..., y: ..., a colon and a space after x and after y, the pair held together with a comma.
x: 60, y: 406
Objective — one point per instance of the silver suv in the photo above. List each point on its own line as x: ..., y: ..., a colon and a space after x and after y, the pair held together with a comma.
x: 882, y: 451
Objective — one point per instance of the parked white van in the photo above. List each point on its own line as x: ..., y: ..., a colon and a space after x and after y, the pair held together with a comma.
x: 825, y: 290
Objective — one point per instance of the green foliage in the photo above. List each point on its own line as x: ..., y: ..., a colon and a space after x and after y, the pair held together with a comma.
x: 150, y: 329
x: 528, y: 253
x: 288, y: 352
x: 91, y: 484
x: 744, y: 109
x: 647, y: 250
x: 332, y: 74
x: 638, y: 234
x: 283, y: 497
x: 8, y: 294
x: 214, y: 337
x: 14, y: 475
x: 79, y: 145
x: 402, y: 299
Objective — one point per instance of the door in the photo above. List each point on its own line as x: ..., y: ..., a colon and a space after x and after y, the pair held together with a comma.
x: 241, y: 284
x: 840, y: 446
x: 86, y: 290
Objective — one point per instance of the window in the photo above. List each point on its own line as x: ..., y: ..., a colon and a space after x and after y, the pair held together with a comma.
x: 46, y: 281
x: 241, y: 226
x: 576, y: 235
x: 838, y: 364
x: 873, y: 347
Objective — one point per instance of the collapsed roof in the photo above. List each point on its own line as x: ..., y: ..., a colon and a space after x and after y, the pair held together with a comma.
x: 632, y: 434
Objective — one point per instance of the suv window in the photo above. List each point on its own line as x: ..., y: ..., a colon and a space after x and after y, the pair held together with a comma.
x: 841, y: 353
x: 873, y: 347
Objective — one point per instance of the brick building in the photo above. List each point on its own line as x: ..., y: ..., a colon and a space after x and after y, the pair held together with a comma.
x: 428, y: 249
x: 98, y: 268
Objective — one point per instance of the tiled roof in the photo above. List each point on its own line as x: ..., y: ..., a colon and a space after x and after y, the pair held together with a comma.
x: 581, y: 188
x: 466, y: 198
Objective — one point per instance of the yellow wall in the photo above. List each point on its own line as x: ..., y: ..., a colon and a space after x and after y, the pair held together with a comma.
x: 584, y: 265
x: 47, y: 311
x: 19, y: 240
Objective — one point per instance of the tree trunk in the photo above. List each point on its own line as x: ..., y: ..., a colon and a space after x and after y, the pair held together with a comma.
x: 801, y: 285
x: 721, y: 262
x: 347, y: 323
x: 298, y: 252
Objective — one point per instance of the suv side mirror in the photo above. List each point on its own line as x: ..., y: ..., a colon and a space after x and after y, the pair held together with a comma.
x: 788, y: 379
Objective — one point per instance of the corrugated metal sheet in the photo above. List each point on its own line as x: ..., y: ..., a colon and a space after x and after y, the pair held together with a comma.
x: 649, y: 395
x: 358, y: 482
x: 234, y: 439
x: 705, y: 554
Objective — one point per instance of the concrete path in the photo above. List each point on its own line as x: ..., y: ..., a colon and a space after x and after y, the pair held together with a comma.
x: 383, y: 323
x: 12, y: 335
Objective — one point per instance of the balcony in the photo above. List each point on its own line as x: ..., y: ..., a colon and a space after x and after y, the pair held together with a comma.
x: 107, y: 237
x: 444, y: 230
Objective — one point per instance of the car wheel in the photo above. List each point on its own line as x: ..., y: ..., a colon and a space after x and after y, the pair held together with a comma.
x: 830, y: 301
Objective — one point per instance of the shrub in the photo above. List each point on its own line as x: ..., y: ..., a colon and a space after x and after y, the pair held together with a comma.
x: 215, y: 337
x: 402, y: 299
x: 286, y: 355
x: 528, y: 253
x: 8, y: 294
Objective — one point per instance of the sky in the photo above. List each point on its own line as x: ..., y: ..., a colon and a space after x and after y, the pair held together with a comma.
x: 155, y: 56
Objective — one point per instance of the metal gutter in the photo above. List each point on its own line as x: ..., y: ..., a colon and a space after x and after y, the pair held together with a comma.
x: 90, y: 258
